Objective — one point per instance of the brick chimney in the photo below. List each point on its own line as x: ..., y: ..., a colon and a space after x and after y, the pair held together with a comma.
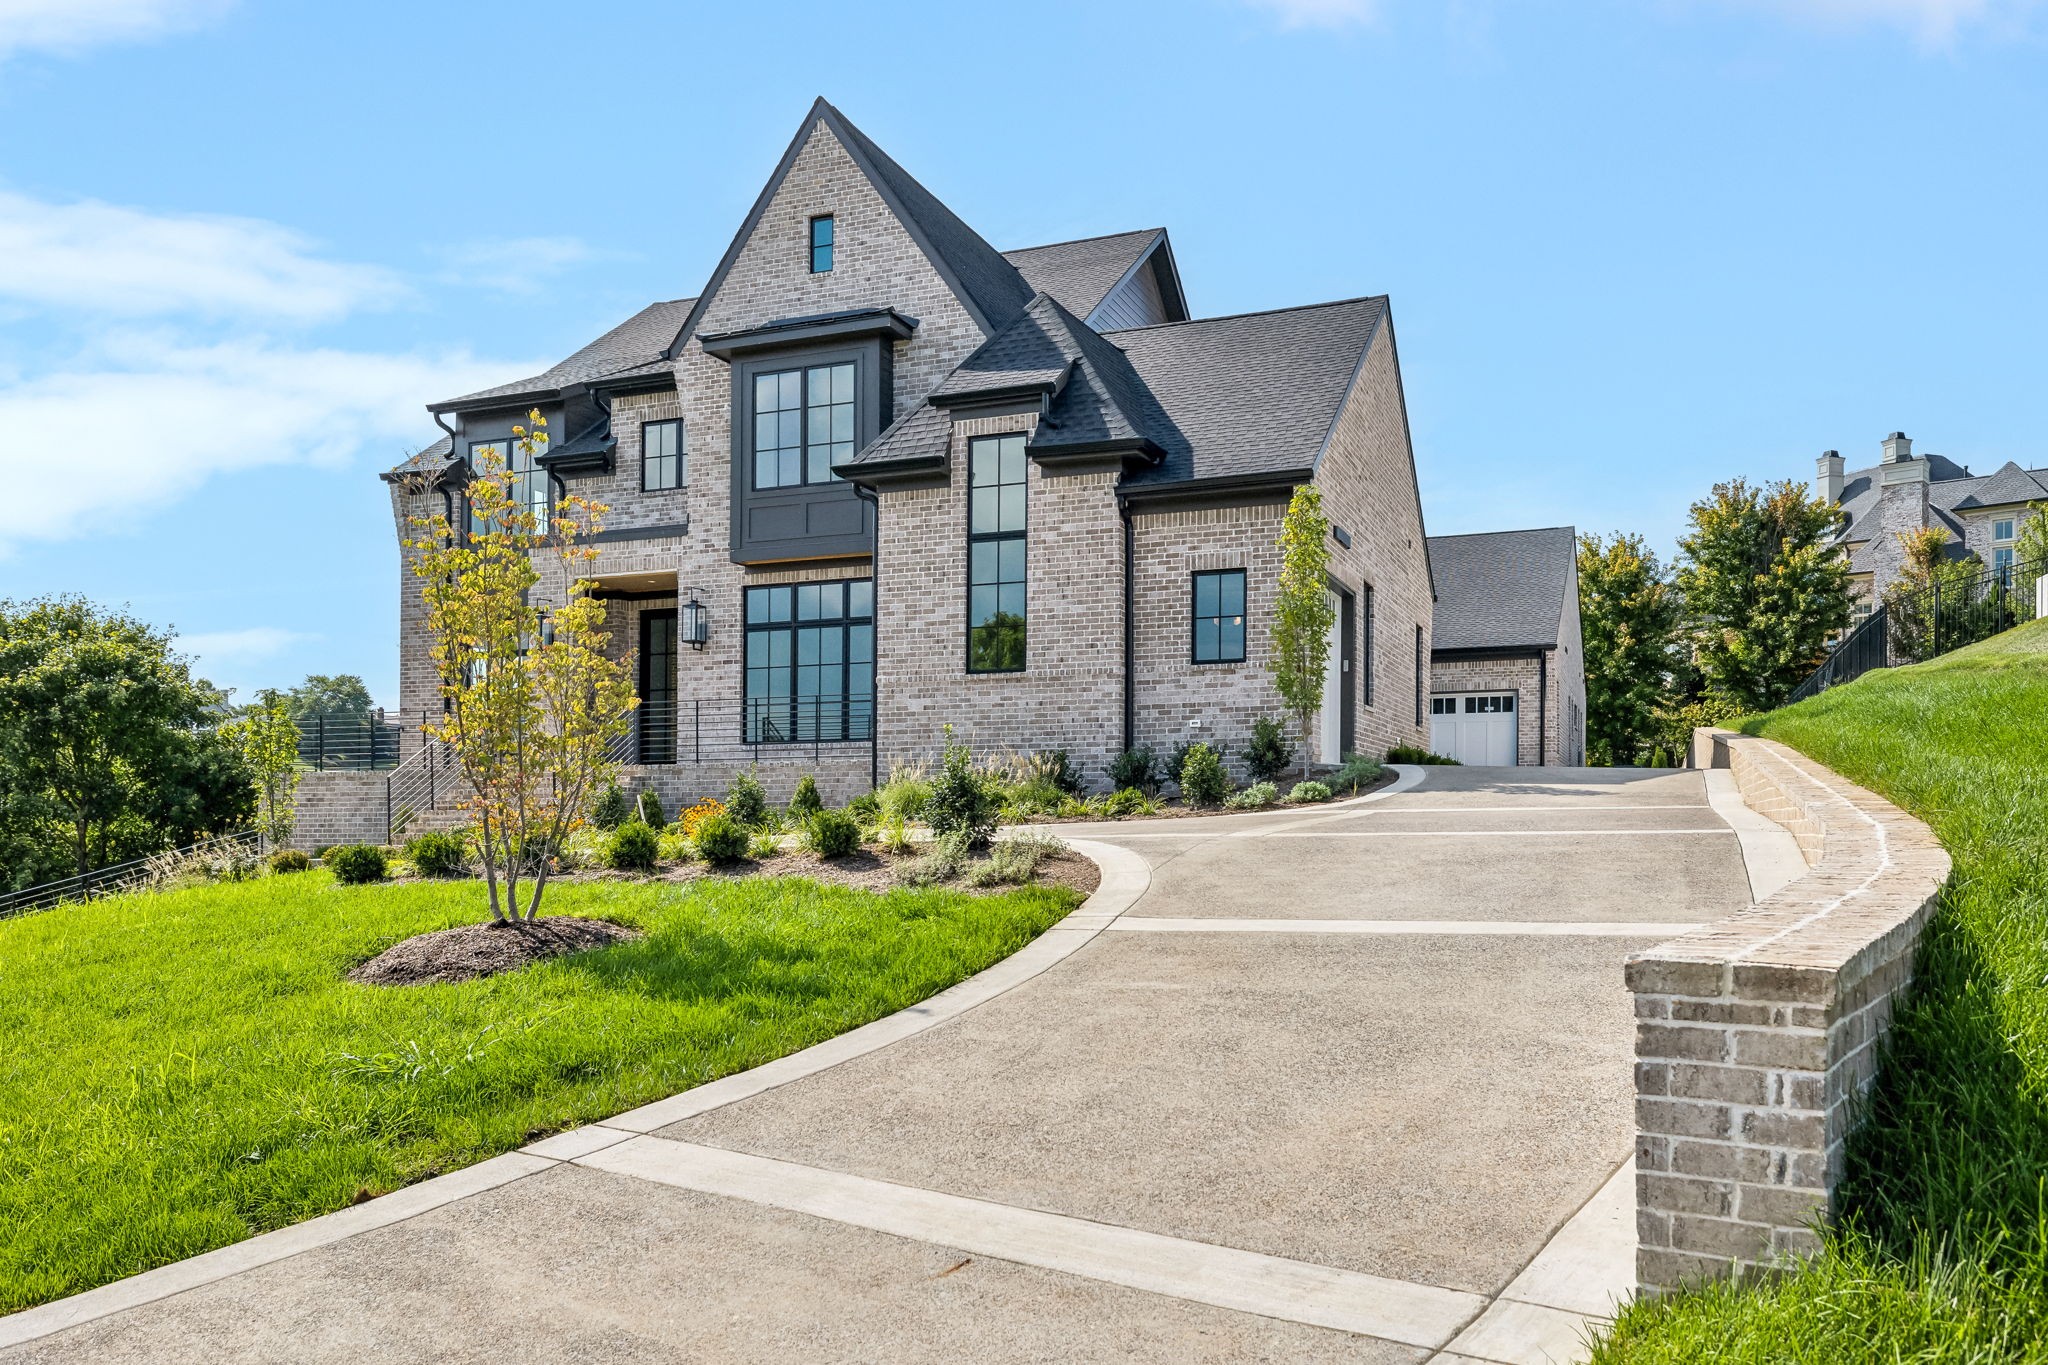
x: 1828, y: 476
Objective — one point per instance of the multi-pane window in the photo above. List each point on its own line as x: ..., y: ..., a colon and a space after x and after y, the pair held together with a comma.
x: 803, y: 424
x: 529, y: 481
x: 995, y: 554
x: 2001, y: 529
x: 2002, y: 549
x: 810, y: 662
x: 1219, y: 617
x: 661, y: 455
x: 821, y: 244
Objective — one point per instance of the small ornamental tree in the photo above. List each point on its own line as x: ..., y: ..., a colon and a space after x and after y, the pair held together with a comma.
x: 1928, y: 605
x: 269, y: 740
x: 532, y: 706
x: 2030, y: 560
x: 1303, y: 613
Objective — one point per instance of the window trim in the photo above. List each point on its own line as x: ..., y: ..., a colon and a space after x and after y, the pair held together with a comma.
x: 831, y: 243
x: 2011, y: 525
x: 850, y: 731
x: 681, y: 456
x: 1244, y: 639
x: 802, y: 367
x: 993, y: 537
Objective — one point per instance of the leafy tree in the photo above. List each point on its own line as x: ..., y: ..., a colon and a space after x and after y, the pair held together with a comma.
x: 1765, y: 587
x: 1929, y: 608
x: 1628, y: 616
x: 107, y: 750
x: 329, y: 694
x: 533, y: 706
x: 1303, y: 612
x: 268, y: 738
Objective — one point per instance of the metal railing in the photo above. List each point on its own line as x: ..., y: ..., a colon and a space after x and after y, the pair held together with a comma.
x: 350, y: 742
x: 425, y: 782
x: 137, y: 872
x: 1911, y: 628
x: 746, y: 730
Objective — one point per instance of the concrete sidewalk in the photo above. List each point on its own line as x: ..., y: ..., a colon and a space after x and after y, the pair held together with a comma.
x: 1350, y: 1084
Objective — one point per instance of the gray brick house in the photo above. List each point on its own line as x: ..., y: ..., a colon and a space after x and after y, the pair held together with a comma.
x: 1508, y: 665
x: 1904, y: 492
x: 879, y: 478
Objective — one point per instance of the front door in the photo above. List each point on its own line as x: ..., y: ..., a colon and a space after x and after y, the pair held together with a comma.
x: 656, y: 718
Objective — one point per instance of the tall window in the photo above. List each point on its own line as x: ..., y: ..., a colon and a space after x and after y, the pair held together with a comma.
x: 995, y: 554
x: 661, y: 455
x: 529, y: 480
x: 803, y: 424
x: 821, y: 244
x: 1219, y: 617
x: 1368, y: 644
x: 2002, y: 555
x: 811, y: 662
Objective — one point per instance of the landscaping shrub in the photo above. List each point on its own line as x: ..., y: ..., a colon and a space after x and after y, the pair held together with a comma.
x: 1358, y: 771
x: 1127, y: 801
x: 648, y: 808
x: 697, y: 814
x: 763, y: 845
x: 356, y: 864
x: 438, y: 853
x: 745, y: 801
x: 1254, y: 797
x: 1408, y: 753
x: 671, y: 845
x: 904, y: 794
x: 1135, y: 768
x: 1202, y: 779
x: 866, y: 808
x: 612, y: 808
x: 1307, y: 793
x: 1054, y: 767
x: 1268, y: 754
x: 633, y: 847
x: 289, y: 860
x: 721, y: 838
x: 942, y: 864
x: 1014, y: 861
x: 832, y: 834
x: 320, y: 853
x: 1039, y: 796
x: 963, y: 801
x: 806, y: 802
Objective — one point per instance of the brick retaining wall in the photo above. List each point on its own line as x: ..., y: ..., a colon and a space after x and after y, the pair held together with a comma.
x: 340, y: 808
x: 1757, y: 1037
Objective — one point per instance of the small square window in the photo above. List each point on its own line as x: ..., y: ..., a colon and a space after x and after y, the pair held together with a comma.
x: 2002, y: 529
x: 821, y: 244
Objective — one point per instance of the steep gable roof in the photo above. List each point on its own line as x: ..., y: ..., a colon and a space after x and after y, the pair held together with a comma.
x: 2009, y: 484
x: 1081, y: 273
x: 1502, y: 589
x: 634, y: 344
x: 988, y: 286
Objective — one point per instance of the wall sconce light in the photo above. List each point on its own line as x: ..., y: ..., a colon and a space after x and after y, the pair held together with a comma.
x: 693, y: 622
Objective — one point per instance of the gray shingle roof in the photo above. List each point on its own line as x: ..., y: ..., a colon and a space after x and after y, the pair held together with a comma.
x: 1503, y: 589
x: 1950, y: 488
x: 1080, y: 274
x: 431, y: 460
x: 1251, y: 394
x: 634, y: 345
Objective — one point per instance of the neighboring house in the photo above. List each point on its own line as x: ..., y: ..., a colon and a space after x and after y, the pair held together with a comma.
x: 1508, y: 669
x: 1904, y: 492
x: 880, y: 478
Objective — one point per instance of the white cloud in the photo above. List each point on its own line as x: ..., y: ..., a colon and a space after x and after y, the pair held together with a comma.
x: 144, y: 427
x: 1320, y: 13
x: 72, y: 25
x: 103, y: 258
x: 517, y: 265
x: 1934, y: 23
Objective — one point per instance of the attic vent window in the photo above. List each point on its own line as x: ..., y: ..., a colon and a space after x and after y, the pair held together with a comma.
x: 821, y: 244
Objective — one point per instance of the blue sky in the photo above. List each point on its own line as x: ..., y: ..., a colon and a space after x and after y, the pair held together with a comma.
x: 1633, y: 247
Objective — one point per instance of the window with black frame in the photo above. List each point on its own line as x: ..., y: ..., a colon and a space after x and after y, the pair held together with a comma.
x: 1219, y: 617
x: 529, y: 486
x: 996, y: 624
x: 810, y: 662
x: 821, y: 244
x: 661, y: 455
x: 803, y: 424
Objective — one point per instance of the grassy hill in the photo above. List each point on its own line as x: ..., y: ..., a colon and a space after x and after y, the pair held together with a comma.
x: 1944, y: 1252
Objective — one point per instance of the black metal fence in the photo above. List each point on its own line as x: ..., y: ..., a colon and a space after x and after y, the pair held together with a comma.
x: 350, y: 742
x: 1910, y: 628
x: 748, y: 730
x: 128, y: 876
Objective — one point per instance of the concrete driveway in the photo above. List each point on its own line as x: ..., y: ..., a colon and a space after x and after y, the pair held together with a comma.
x: 1349, y: 1084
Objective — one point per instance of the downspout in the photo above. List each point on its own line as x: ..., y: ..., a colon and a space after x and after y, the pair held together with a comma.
x: 1123, y: 509
x: 1542, y: 706
x: 874, y: 500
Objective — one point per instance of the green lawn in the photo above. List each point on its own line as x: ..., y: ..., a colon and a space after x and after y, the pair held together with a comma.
x: 1947, y: 1256
x: 179, y: 1071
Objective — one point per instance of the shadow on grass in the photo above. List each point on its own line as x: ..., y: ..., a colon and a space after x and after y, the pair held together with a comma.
x: 1953, y: 1147
x: 692, y: 964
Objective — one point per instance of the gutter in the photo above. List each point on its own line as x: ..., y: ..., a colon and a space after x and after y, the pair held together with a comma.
x: 874, y: 500
x: 1123, y: 511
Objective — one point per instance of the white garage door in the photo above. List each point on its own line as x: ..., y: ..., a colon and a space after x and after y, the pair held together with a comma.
x: 1475, y: 728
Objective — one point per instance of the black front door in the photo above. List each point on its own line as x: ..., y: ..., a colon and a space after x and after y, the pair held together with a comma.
x: 657, y: 714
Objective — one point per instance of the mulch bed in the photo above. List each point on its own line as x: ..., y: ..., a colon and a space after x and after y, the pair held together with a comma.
x: 475, y: 950
x: 868, y: 870
x: 1176, y: 812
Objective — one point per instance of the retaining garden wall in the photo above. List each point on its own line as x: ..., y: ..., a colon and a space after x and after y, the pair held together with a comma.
x: 1756, y: 1037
